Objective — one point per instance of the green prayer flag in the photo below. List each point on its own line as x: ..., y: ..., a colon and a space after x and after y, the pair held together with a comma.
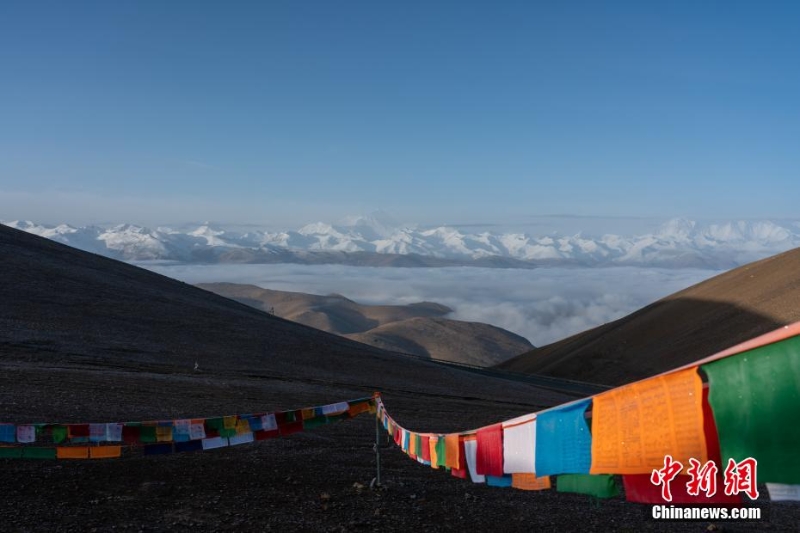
x: 315, y: 422
x: 38, y: 453
x: 600, y: 486
x: 59, y: 434
x: 227, y: 432
x: 418, y: 445
x: 755, y: 397
x: 147, y: 434
x: 441, y: 451
x: 10, y: 453
x: 215, y: 423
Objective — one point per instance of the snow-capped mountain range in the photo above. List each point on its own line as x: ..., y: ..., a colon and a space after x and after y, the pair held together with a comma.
x: 371, y: 241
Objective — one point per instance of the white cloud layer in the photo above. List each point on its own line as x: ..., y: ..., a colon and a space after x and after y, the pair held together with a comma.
x: 543, y: 305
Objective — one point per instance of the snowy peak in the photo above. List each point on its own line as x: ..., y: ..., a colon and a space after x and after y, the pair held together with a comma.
x: 677, y: 243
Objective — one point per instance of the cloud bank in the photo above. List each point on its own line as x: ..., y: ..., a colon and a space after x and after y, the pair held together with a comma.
x: 543, y: 305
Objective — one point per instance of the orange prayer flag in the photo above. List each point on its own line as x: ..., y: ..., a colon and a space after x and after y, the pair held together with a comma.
x: 412, y: 445
x: 635, y: 426
x: 452, y: 451
x: 530, y: 482
x: 358, y: 408
x: 72, y: 452
x: 105, y: 452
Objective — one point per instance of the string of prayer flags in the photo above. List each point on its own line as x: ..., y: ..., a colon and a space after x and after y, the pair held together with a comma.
x: 519, y: 445
x: 166, y: 436
x: 635, y: 426
x: 755, y: 398
x: 563, y: 441
x: 599, y: 486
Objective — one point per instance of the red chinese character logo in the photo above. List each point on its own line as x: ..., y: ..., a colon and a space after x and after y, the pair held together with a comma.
x: 704, y: 478
x: 741, y: 477
x: 664, y: 476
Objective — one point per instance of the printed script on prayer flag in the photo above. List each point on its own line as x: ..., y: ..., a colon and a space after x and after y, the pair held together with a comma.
x: 635, y: 426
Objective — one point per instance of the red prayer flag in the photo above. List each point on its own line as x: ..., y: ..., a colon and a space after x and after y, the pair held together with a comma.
x: 489, y: 458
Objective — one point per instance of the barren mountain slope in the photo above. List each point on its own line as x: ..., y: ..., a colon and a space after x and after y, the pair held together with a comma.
x: 417, y: 328
x: 681, y: 328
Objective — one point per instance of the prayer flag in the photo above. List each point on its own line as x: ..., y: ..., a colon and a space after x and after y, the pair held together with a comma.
x: 268, y: 422
x: 335, y: 408
x: 114, y: 432
x: 454, y: 459
x: 756, y: 400
x: 530, y: 482
x: 105, y: 452
x: 72, y: 452
x: 635, y: 426
x: 599, y: 486
x: 97, y: 432
x: 241, y: 438
x: 640, y: 489
x: 164, y: 433
x: 778, y: 492
x: 7, y: 452
x: 197, y: 431
x: 489, y: 459
x: 563, y: 440
x: 214, y: 442
x: 38, y: 453
x: 470, y: 453
x: 26, y: 434
x: 8, y: 433
x: 519, y: 445
x: 499, y: 481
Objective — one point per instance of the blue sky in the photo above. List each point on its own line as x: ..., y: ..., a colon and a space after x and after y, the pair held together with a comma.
x: 288, y: 112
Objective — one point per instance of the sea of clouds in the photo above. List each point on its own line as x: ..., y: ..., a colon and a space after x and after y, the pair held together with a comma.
x: 543, y: 305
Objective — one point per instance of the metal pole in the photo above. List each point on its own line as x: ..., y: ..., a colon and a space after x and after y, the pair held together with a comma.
x: 378, y: 449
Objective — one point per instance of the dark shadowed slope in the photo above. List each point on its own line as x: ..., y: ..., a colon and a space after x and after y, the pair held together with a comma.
x: 59, y: 305
x: 418, y: 328
x: 681, y: 328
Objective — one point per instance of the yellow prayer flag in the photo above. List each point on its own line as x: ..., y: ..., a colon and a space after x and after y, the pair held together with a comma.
x: 432, y: 440
x: 164, y: 433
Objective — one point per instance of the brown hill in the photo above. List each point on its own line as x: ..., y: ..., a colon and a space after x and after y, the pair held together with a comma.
x: 418, y: 328
x: 679, y: 329
x: 472, y: 343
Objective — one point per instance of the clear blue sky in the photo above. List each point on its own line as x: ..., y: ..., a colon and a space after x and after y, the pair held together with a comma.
x: 304, y: 110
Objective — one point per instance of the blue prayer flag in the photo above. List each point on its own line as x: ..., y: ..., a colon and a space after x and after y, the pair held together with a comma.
x: 563, y: 440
